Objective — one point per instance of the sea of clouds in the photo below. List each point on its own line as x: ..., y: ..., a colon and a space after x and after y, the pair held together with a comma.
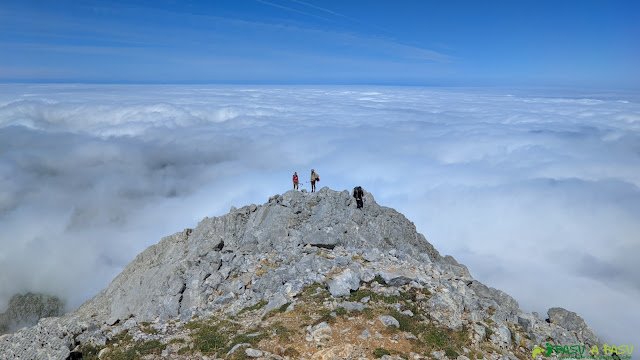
x: 537, y: 192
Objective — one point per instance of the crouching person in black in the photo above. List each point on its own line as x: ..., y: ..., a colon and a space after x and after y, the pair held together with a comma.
x: 358, y: 193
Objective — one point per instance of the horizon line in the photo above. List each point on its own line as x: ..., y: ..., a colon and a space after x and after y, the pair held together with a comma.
x: 272, y: 83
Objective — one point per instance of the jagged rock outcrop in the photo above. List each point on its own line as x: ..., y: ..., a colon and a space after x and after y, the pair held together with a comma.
x: 212, y: 267
x: 264, y: 256
x: 572, y: 322
x: 26, y: 310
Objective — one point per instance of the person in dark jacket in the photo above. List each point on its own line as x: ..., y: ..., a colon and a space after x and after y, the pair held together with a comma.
x: 358, y: 193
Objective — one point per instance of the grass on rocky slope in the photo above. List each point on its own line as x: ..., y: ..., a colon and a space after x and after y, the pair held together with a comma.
x: 126, y: 349
x: 283, y: 332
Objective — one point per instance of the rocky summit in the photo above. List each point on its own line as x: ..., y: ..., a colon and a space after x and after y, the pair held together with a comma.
x: 303, y: 276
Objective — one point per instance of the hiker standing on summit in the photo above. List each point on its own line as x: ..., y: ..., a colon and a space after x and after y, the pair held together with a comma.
x: 358, y: 193
x: 314, y: 178
x: 295, y: 181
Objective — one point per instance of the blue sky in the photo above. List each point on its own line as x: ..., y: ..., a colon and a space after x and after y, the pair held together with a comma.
x: 539, y: 43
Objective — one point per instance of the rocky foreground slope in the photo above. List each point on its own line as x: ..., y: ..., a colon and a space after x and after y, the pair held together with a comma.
x: 304, y: 276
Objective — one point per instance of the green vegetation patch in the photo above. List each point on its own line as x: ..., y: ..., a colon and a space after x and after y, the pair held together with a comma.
x: 489, y: 349
x: 488, y: 332
x: 434, y: 336
x: 341, y: 311
x: 136, y: 350
x: 317, y: 292
x: 379, y: 280
x: 325, y: 316
x: 380, y: 352
x: 90, y: 352
x: 209, y: 339
x: 358, y: 295
x: 281, y: 331
x: 291, y: 352
x: 450, y: 353
x: 259, y: 305
x: 148, y: 329
x: 219, y: 336
x: 279, y: 310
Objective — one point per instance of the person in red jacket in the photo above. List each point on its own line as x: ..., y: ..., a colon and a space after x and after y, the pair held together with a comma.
x: 295, y: 181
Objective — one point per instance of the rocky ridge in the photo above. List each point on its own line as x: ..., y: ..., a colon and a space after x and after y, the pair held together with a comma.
x: 26, y: 310
x: 305, y: 275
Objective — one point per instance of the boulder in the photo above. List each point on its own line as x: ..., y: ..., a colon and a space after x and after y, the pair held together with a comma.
x: 343, y: 283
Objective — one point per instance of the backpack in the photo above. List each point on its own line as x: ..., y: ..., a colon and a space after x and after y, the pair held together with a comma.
x: 357, y: 193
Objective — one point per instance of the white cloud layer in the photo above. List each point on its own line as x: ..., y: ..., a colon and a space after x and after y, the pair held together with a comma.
x: 538, y: 193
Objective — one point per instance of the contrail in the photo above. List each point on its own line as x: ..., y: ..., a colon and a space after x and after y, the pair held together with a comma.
x: 294, y: 10
x: 343, y: 16
x: 323, y: 9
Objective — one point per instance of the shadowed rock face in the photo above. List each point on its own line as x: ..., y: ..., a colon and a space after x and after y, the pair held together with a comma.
x: 26, y: 310
x: 267, y: 254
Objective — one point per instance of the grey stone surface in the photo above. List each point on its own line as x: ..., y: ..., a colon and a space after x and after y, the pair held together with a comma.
x: 343, y: 283
x: 236, y: 347
x: 501, y: 335
x: 409, y: 336
x: 25, y: 310
x: 352, y: 306
x: 276, y: 302
x: 253, y: 353
x: 573, y: 322
x: 527, y: 321
x: 269, y: 253
x: 388, y: 320
x: 319, y: 332
x: 446, y: 308
x: 365, y: 334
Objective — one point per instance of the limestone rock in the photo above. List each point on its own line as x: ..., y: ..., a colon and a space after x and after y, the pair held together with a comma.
x: 276, y: 302
x: 236, y: 347
x: 319, y: 332
x: 388, y: 320
x: 409, y: 336
x: 352, y: 306
x: 26, y: 310
x: 573, y: 322
x: 267, y: 254
x: 335, y: 352
x: 342, y: 284
x: 365, y: 334
x: 446, y: 308
x: 253, y: 353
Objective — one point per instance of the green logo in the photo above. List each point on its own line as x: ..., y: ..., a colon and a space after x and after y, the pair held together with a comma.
x: 609, y: 352
x: 536, y: 351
